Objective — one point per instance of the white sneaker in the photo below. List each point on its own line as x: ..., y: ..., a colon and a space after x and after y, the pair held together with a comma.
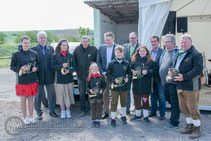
x: 26, y: 121
x: 31, y: 120
x: 68, y: 114
x: 63, y: 114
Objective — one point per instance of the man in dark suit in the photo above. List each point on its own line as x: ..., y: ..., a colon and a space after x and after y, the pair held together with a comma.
x: 105, y: 55
x: 130, y: 49
x: 158, y: 89
x: 45, y: 76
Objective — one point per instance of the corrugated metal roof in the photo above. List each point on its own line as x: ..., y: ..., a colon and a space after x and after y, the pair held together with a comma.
x: 119, y: 11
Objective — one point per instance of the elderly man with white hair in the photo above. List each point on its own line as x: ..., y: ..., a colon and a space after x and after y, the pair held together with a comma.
x: 189, y: 63
x: 45, y: 76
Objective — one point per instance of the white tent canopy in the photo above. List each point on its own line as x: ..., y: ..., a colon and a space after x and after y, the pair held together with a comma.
x: 191, y: 7
x: 158, y: 13
x: 152, y: 18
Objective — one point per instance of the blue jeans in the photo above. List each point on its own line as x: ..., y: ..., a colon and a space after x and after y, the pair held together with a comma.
x: 128, y: 100
x: 158, y: 94
x: 175, y: 110
x: 85, y: 105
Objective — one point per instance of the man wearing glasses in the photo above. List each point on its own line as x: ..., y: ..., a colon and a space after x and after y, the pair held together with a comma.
x: 166, y: 62
x: 130, y: 49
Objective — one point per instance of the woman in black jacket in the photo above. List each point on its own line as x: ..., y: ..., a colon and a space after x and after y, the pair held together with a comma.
x: 143, y: 68
x: 24, y: 62
x: 63, y: 63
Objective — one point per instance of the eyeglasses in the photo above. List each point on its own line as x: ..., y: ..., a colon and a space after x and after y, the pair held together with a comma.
x: 167, y: 41
x: 153, y: 41
x: 132, y: 38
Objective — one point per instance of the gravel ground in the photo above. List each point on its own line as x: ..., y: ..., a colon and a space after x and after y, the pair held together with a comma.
x: 79, y: 128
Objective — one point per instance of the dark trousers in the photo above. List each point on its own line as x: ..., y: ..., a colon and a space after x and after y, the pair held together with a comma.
x: 85, y: 104
x: 41, y: 94
x: 96, y: 107
x: 106, y: 99
x: 175, y: 110
x: 141, y: 98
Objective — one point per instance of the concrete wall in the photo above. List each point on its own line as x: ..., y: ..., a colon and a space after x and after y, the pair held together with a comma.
x: 106, y: 25
x: 123, y: 30
x: 97, y: 28
x: 103, y: 24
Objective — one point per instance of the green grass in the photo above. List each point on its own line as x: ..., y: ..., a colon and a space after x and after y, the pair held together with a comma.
x: 12, y: 35
x: 5, y: 62
x: 7, y: 50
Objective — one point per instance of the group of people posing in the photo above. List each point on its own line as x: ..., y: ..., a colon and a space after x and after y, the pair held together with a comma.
x: 114, y: 68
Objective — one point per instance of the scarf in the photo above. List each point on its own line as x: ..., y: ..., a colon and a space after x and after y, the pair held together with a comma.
x: 119, y: 59
x: 181, y: 52
x: 93, y: 75
x: 64, y: 53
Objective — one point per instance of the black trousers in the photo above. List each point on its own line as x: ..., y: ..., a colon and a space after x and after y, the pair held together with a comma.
x: 85, y: 104
x: 175, y: 110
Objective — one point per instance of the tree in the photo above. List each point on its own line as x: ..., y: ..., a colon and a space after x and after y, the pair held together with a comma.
x: 2, y: 38
x: 92, y: 41
x: 18, y: 39
x: 33, y: 37
x: 51, y: 37
x: 31, y: 34
x: 83, y: 31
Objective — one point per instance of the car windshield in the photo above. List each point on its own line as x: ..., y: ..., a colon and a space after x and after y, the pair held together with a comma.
x: 71, y: 49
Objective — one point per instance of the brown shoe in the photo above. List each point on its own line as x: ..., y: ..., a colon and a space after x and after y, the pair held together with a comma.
x: 196, y: 133
x: 188, y: 129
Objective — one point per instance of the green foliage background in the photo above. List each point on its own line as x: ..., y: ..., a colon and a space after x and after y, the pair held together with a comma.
x: 9, y: 40
x: 2, y: 38
x: 7, y: 50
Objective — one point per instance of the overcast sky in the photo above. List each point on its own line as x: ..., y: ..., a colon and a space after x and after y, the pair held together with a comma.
x: 18, y: 15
